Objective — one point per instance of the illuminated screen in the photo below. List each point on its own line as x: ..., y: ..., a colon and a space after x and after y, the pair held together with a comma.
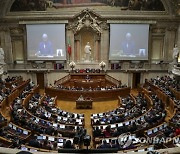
x: 46, y: 42
x: 129, y: 41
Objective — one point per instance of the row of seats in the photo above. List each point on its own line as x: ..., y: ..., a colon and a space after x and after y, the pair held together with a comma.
x: 152, y: 117
x: 31, y: 124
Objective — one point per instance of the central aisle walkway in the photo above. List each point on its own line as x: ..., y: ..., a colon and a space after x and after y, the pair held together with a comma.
x: 98, y: 107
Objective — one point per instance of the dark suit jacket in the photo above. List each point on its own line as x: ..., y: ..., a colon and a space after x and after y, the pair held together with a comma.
x: 45, y: 48
x: 128, y: 47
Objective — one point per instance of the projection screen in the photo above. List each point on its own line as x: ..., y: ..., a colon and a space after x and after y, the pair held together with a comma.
x: 129, y: 41
x: 46, y: 42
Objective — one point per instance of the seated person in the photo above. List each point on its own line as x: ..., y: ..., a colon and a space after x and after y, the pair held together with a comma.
x: 104, y: 145
x: 68, y: 145
x: 97, y: 132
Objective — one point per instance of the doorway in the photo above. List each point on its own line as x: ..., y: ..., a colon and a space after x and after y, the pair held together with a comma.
x: 40, y: 80
x: 136, y: 80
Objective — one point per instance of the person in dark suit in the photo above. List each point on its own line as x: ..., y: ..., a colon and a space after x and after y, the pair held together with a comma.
x: 128, y: 45
x: 104, y: 145
x: 97, y: 132
x: 68, y: 145
x: 45, y: 47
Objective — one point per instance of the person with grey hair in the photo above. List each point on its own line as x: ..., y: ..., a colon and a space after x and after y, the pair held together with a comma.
x: 45, y: 47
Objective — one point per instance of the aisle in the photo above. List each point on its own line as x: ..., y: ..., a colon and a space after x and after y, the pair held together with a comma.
x: 98, y: 107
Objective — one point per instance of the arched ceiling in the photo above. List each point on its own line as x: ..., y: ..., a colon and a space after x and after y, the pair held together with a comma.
x: 172, y: 7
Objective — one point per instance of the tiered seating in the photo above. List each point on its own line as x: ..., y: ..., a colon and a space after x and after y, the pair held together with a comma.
x: 38, y: 125
x: 95, y: 86
x: 48, y: 103
x: 152, y: 115
x: 13, y: 82
x: 3, y: 120
x: 29, y: 111
x: 114, y: 116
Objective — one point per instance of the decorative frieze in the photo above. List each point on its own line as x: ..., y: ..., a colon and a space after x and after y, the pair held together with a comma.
x: 16, y: 31
x: 86, y: 19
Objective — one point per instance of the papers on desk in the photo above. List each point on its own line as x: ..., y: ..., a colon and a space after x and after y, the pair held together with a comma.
x: 24, y: 148
x: 95, y: 120
x: 127, y: 123
x: 78, y: 120
x: 155, y: 130
x: 25, y: 132
x: 60, y: 144
x: 121, y: 124
x: 161, y: 127
x: 178, y: 145
x: 141, y: 150
x: 62, y: 126
x: 149, y: 132
x: 53, y: 109
x: 104, y: 127
x: 107, y: 140
x: 150, y: 149
x: 64, y: 118
x: 60, y: 140
x: 100, y: 114
x: 70, y: 140
x: 49, y: 115
x: 142, y: 118
x: 37, y: 120
x: 75, y: 115
x: 55, y: 125
x: 50, y: 138
x: 165, y: 125
x: 94, y: 115
x: 113, y: 126
x: 14, y: 127
x: 39, y: 137
x: 33, y: 150
x: 44, y: 137
x: 10, y: 125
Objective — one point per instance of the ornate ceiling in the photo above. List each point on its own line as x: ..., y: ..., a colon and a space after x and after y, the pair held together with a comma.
x: 172, y: 8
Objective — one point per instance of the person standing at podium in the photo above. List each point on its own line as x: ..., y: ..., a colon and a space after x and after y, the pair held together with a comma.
x: 45, y: 47
x: 128, y: 45
x: 81, y: 98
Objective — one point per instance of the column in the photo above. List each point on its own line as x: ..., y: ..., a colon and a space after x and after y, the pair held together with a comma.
x: 78, y: 50
x: 6, y: 44
x: 104, y: 55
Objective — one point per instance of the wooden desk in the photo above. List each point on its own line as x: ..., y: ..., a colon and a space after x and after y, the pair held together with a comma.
x: 84, y: 104
x: 95, y: 95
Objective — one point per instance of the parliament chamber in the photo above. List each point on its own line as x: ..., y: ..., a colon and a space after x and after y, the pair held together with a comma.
x: 90, y: 76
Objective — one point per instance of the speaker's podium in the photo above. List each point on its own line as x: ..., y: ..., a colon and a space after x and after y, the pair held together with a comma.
x: 84, y: 103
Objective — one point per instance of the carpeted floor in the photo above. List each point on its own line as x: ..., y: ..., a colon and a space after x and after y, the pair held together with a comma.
x: 98, y: 107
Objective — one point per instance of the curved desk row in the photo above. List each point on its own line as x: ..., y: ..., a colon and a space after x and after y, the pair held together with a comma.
x: 95, y: 95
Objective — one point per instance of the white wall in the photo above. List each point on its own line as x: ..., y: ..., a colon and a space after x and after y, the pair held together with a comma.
x: 51, y: 77
x: 123, y: 77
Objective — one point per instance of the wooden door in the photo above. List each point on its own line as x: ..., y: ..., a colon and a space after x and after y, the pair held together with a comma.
x: 136, y: 79
x: 40, y: 79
